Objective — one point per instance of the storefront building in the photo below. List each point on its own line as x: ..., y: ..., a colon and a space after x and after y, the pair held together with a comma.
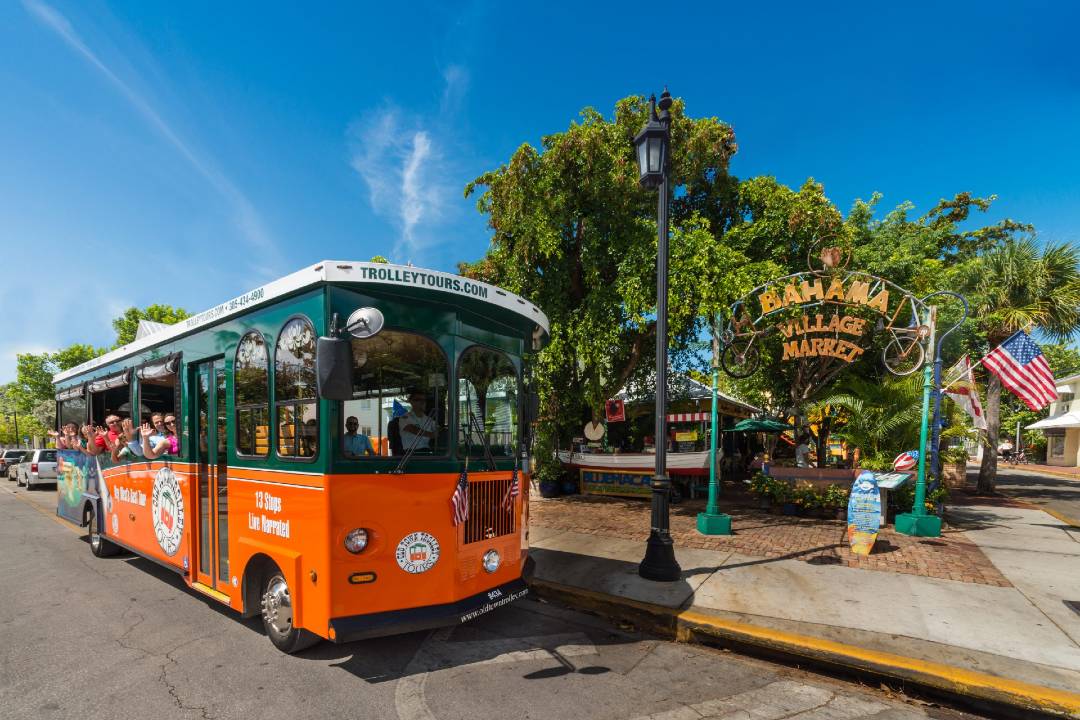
x: 1062, y: 427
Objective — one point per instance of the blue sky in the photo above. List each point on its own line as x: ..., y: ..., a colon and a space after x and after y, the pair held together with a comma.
x: 183, y: 153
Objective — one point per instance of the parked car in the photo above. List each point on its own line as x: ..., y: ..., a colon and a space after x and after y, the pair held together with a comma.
x: 37, y: 467
x: 9, y: 457
x: 11, y: 467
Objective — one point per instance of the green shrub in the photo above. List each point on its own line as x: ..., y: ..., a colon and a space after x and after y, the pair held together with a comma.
x: 955, y: 454
x: 835, y: 496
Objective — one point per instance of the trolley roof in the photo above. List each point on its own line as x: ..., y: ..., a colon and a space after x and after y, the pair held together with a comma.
x: 418, y: 281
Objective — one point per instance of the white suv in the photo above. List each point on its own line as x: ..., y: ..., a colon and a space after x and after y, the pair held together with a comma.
x: 38, y: 467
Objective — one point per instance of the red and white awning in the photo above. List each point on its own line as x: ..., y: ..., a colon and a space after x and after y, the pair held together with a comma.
x: 690, y: 417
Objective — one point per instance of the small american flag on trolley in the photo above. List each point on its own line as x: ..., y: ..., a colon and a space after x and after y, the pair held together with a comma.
x: 512, y: 491
x: 459, y: 501
x: 1023, y: 369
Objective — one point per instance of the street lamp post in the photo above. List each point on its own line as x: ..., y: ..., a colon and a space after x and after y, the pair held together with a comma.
x: 653, y: 147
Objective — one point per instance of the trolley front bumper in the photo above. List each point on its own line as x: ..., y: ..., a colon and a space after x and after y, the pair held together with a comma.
x: 394, y: 622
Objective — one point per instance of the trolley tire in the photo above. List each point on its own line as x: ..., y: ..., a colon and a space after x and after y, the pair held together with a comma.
x: 737, y: 367
x: 276, y: 602
x: 99, y: 546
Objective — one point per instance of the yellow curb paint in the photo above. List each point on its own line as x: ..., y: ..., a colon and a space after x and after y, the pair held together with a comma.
x: 1059, y: 516
x: 961, y: 680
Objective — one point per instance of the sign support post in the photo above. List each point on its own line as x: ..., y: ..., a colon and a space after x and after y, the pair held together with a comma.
x: 918, y: 522
x: 712, y: 521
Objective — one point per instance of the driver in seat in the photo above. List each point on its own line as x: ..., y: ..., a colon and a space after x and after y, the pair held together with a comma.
x: 417, y: 428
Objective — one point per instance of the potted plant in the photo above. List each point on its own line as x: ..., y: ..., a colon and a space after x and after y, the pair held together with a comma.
x: 935, y: 499
x: 835, y: 500
x: 781, y: 494
x: 954, y: 467
x: 805, y: 499
x: 761, y: 486
x: 548, y: 477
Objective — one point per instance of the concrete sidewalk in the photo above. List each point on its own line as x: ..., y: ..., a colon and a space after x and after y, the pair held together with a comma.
x: 1014, y: 645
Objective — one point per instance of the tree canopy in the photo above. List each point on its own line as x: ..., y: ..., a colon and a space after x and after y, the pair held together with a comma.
x: 573, y: 232
x: 128, y: 324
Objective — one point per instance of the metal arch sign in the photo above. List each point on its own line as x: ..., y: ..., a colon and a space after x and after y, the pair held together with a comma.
x: 845, y: 303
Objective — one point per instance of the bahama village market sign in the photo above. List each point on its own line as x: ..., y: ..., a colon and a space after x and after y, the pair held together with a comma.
x: 822, y: 313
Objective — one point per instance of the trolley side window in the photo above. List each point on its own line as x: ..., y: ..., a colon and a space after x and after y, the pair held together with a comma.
x: 488, y: 403
x: 400, y: 382
x: 110, y: 396
x: 295, y: 401
x: 251, y: 385
x: 159, y: 391
x: 71, y: 408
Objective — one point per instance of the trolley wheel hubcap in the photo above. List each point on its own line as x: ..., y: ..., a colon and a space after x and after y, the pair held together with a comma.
x: 95, y: 537
x: 277, y: 607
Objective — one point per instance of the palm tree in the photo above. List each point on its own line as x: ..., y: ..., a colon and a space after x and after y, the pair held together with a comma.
x: 1015, y: 286
x: 879, y: 418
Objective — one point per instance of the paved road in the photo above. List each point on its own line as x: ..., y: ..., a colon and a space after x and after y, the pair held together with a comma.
x: 121, y: 638
x: 1060, y: 494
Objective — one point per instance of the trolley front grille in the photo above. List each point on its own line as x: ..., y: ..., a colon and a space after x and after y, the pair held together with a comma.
x: 487, y: 517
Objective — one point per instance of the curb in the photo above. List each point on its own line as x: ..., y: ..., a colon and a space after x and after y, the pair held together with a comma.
x: 968, y: 687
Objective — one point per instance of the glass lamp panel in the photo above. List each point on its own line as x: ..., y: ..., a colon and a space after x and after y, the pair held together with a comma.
x: 654, y: 154
x: 642, y: 148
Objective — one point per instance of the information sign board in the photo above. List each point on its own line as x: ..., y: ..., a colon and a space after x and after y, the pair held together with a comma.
x: 864, y: 513
x: 619, y: 482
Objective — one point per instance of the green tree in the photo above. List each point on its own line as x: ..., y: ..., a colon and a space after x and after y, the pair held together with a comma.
x: 1018, y: 285
x: 34, y: 373
x: 128, y: 324
x: 575, y: 233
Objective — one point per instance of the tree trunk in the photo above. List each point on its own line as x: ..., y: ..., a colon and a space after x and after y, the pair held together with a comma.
x: 988, y: 470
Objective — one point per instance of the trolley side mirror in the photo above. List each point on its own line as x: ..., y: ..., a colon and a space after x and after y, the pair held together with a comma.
x: 334, y: 368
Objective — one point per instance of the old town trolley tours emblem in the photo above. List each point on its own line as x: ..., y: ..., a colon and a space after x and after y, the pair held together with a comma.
x: 167, y: 511
x: 314, y: 424
x: 417, y: 552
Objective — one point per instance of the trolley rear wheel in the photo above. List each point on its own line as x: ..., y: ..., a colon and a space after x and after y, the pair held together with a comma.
x: 277, y: 616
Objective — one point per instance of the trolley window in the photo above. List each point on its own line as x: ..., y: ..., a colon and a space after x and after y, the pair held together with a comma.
x: 251, y: 384
x: 295, y: 390
x: 71, y: 407
x: 159, y: 390
x: 399, y: 403
x: 488, y: 400
x: 110, y: 395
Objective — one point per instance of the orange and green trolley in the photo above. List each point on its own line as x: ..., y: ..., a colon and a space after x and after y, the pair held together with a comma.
x: 350, y: 458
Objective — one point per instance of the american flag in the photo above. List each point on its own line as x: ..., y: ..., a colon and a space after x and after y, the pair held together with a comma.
x: 459, y: 501
x: 512, y: 492
x: 1023, y: 369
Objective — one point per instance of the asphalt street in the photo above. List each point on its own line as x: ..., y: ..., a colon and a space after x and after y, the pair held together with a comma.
x: 1060, y: 494
x: 117, y: 638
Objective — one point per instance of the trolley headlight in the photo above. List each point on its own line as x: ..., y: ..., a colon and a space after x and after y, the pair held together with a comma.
x: 356, y: 540
x: 491, y: 561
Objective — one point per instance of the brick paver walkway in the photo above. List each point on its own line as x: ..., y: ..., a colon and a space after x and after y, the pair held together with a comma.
x: 759, y: 534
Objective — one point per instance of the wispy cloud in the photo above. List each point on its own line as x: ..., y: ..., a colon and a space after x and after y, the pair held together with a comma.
x: 400, y: 163
x: 245, y: 216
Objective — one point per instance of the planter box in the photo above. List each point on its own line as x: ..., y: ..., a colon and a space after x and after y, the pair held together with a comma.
x: 954, y: 475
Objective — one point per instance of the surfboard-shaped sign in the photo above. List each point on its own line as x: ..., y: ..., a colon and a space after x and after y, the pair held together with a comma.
x: 864, y: 513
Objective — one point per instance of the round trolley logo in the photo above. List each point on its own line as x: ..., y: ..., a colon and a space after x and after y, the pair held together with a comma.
x: 167, y: 509
x: 417, y: 552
